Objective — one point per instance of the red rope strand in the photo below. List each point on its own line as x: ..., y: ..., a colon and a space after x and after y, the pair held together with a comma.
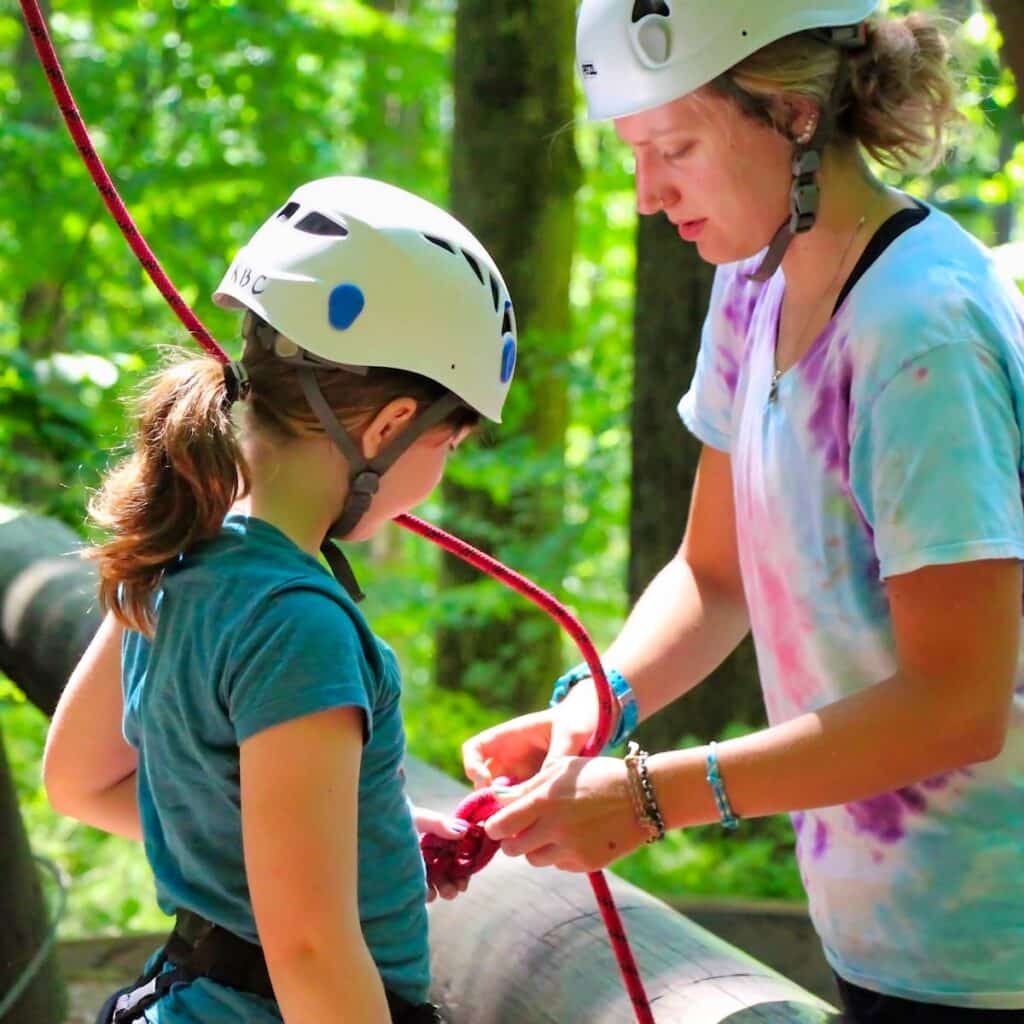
x: 477, y: 843
x: 475, y: 849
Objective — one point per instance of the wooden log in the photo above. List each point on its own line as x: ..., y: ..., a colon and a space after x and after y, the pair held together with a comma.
x: 522, y: 946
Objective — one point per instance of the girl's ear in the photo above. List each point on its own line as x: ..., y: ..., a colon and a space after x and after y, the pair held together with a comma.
x: 386, y: 425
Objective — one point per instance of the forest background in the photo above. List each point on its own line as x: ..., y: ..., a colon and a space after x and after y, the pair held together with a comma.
x: 208, y: 114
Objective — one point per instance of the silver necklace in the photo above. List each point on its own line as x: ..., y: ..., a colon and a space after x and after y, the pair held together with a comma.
x: 773, y: 387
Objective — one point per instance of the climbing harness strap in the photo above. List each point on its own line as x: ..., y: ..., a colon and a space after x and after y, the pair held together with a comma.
x: 198, y: 948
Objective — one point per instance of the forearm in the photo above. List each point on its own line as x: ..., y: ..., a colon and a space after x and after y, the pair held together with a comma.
x: 680, y: 630
x: 329, y: 981
x: 114, y: 810
x: 870, y: 743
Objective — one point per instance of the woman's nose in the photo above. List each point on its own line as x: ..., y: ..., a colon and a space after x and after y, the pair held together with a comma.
x: 651, y: 188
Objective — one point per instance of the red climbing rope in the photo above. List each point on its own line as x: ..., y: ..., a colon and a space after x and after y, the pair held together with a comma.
x: 444, y: 858
x: 476, y: 847
x: 450, y: 861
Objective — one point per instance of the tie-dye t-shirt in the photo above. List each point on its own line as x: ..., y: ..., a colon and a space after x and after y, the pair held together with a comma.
x: 894, y: 443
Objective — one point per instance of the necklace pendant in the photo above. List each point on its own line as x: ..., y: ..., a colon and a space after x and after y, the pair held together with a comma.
x: 773, y: 388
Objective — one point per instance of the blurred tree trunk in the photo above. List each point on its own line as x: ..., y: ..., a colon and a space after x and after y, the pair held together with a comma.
x: 47, y: 616
x: 673, y: 286
x: 513, y: 182
x: 1010, y: 17
x: 26, y: 919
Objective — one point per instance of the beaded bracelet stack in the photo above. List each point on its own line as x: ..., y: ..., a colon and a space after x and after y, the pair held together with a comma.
x: 641, y: 792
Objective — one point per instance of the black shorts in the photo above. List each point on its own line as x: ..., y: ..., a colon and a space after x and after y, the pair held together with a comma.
x: 865, y: 1007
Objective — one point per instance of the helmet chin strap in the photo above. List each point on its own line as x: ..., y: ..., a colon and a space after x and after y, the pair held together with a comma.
x: 805, y: 192
x: 364, y: 474
x: 804, y: 201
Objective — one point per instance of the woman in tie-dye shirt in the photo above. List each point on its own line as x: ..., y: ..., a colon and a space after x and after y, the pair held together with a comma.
x: 860, y: 396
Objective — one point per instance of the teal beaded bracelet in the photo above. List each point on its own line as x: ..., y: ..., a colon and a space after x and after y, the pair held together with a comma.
x: 629, y: 715
x: 714, y: 777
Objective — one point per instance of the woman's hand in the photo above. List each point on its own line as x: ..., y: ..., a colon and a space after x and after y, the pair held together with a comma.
x: 434, y: 823
x: 521, y: 747
x: 575, y: 814
x: 515, y: 749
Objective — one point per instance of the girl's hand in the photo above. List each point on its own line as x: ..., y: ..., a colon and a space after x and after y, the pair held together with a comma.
x: 435, y: 824
x: 521, y: 747
x: 576, y: 814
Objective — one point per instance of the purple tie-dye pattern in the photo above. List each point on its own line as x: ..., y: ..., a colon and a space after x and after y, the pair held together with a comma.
x: 880, y: 816
x: 820, y: 840
x: 883, y: 816
x: 728, y: 368
x: 739, y: 309
x: 829, y: 424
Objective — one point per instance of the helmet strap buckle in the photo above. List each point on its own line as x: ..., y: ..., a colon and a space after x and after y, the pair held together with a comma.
x: 805, y: 195
x: 366, y: 482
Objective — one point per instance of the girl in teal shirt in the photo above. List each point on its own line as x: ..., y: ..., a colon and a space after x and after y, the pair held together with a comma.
x: 235, y: 711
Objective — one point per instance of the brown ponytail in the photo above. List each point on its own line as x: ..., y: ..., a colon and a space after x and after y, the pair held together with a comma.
x: 901, y: 95
x: 188, y: 468
x: 175, y: 488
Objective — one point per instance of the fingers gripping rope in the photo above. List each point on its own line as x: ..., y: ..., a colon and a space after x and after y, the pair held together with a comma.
x: 475, y: 849
x: 450, y: 861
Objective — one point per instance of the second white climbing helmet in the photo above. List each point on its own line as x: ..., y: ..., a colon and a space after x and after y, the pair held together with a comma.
x: 635, y: 55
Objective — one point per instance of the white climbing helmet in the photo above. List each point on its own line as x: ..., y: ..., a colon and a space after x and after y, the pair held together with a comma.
x: 360, y: 273
x: 635, y: 55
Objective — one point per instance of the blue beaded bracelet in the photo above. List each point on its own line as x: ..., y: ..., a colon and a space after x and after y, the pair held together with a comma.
x: 629, y: 715
x: 714, y: 777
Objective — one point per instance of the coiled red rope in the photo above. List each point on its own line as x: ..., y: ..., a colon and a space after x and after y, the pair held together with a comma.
x: 444, y: 858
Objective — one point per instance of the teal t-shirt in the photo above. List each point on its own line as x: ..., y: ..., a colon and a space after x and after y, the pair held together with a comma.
x: 253, y: 632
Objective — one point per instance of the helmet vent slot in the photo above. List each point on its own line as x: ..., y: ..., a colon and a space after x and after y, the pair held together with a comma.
x: 644, y: 7
x: 474, y: 266
x: 495, y: 294
x: 287, y: 210
x: 506, y: 320
x: 440, y: 243
x: 317, y: 224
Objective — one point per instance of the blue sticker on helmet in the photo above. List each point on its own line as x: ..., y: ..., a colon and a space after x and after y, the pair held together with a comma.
x: 508, y: 359
x: 344, y: 306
